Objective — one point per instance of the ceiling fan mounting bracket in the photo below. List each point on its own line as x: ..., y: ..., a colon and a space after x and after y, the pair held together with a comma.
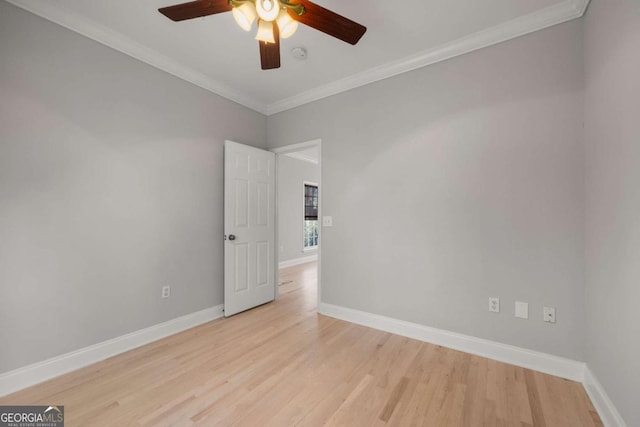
x: 296, y: 8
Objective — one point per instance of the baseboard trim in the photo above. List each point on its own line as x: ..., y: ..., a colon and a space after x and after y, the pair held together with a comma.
x: 606, y: 409
x: 542, y: 362
x: 297, y: 261
x: 27, y: 376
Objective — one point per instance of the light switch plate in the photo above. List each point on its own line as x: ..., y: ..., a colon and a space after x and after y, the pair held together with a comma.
x: 166, y: 291
x: 522, y: 309
x: 327, y: 221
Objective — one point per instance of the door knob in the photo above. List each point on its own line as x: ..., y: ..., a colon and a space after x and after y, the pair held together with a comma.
x: 232, y: 237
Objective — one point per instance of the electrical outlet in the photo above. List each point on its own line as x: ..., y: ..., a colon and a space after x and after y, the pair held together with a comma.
x: 327, y: 221
x: 549, y: 314
x: 522, y: 309
x: 494, y: 305
x: 166, y: 291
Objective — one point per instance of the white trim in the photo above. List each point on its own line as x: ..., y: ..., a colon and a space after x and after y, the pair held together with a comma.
x: 608, y: 413
x: 52, y: 11
x: 298, y: 261
x: 549, y: 16
x: 288, y: 149
x: 300, y: 156
x: 297, y: 147
x: 580, y: 6
x: 544, y: 18
x: 41, y: 371
x: 276, y: 218
x: 280, y: 151
x: 542, y: 362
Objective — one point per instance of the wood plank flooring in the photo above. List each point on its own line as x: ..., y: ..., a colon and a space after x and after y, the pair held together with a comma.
x: 282, y: 364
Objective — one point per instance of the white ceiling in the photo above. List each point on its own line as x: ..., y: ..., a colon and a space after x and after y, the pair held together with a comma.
x: 214, y: 53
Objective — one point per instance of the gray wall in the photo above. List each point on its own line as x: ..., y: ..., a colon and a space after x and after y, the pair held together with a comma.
x: 447, y: 185
x: 292, y: 173
x: 458, y: 182
x: 612, y: 125
x: 110, y: 188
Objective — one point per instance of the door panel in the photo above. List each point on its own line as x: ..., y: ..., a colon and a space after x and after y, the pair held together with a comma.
x: 242, y: 267
x: 249, y: 196
x: 242, y: 203
x: 263, y: 264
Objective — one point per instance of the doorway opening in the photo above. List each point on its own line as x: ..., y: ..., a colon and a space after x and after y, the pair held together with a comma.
x: 298, y: 209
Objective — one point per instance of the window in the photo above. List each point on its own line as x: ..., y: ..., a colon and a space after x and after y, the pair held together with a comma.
x: 310, y: 231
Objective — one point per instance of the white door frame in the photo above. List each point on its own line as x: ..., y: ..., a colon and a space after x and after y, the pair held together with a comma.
x: 291, y: 149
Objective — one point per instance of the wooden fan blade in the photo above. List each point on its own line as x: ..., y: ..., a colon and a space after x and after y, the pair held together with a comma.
x: 329, y: 22
x: 195, y: 9
x: 270, y: 52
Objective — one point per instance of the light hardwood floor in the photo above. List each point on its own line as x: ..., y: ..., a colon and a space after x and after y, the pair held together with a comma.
x: 282, y: 364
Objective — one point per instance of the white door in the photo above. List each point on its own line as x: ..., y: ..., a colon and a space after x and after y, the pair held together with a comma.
x: 249, y: 227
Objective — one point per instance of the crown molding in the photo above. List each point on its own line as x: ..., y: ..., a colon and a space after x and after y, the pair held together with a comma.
x: 552, y: 15
x: 544, y: 18
x: 50, y: 11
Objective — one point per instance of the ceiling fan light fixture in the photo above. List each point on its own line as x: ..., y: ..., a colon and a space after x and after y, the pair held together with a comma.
x: 268, y: 10
x: 265, y: 32
x: 274, y: 21
x: 286, y: 25
x: 244, y: 15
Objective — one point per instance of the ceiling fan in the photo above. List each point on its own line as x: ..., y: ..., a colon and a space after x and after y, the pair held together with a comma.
x: 276, y: 19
